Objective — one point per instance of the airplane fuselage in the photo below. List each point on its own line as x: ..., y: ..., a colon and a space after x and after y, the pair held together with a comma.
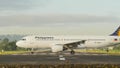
x: 48, y: 41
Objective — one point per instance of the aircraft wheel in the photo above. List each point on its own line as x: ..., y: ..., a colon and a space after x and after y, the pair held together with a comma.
x: 32, y: 52
x: 72, y: 52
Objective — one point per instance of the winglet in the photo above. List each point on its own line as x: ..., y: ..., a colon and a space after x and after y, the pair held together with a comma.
x: 116, y: 33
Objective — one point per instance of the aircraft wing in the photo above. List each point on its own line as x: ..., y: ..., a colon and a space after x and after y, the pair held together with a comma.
x: 73, y: 44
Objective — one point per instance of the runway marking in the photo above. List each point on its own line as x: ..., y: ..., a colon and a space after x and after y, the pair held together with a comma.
x: 54, y: 59
x: 61, y: 57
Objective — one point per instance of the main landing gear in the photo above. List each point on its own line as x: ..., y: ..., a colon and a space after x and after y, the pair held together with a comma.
x: 72, y: 52
x: 32, y: 52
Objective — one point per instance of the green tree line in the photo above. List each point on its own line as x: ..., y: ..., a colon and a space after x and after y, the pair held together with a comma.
x: 7, y: 45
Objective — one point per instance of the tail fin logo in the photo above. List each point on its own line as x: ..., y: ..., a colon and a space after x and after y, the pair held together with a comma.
x: 116, y: 33
x: 119, y: 32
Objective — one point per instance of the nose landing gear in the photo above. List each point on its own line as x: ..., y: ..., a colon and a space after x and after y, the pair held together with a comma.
x: 32, y: 51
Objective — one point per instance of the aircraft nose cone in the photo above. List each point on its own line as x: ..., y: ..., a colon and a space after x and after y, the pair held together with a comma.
x: 18, y: 44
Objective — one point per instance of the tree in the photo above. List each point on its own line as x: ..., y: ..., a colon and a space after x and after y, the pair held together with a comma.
x: 117, y: 47
x: 4, y: 43
x: 11, y: 46
x: 7, y: 45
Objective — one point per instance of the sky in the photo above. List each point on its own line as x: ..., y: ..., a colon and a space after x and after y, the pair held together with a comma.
x: 78, y: 17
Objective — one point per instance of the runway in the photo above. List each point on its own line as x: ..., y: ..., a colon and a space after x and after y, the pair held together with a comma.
x: 59, y: 59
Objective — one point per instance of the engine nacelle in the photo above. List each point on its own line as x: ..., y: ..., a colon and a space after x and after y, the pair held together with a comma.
x: 57, y: 48
x: 81, y: 46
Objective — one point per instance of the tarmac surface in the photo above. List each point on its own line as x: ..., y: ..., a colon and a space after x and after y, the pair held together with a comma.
x: 60, y: 59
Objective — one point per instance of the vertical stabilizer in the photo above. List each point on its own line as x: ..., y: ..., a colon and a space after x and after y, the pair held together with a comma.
x: 116, y: 33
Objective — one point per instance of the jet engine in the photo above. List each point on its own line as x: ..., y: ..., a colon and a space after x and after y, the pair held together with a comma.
x: 81, y: 46
x: 57, y: 48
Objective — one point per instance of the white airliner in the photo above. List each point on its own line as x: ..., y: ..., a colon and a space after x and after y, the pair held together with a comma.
x: 62, y: 43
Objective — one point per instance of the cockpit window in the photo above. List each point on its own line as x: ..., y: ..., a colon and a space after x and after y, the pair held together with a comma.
x: 23, y: 39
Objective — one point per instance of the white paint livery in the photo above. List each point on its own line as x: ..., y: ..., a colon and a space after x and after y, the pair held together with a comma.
x: 61, y: 43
